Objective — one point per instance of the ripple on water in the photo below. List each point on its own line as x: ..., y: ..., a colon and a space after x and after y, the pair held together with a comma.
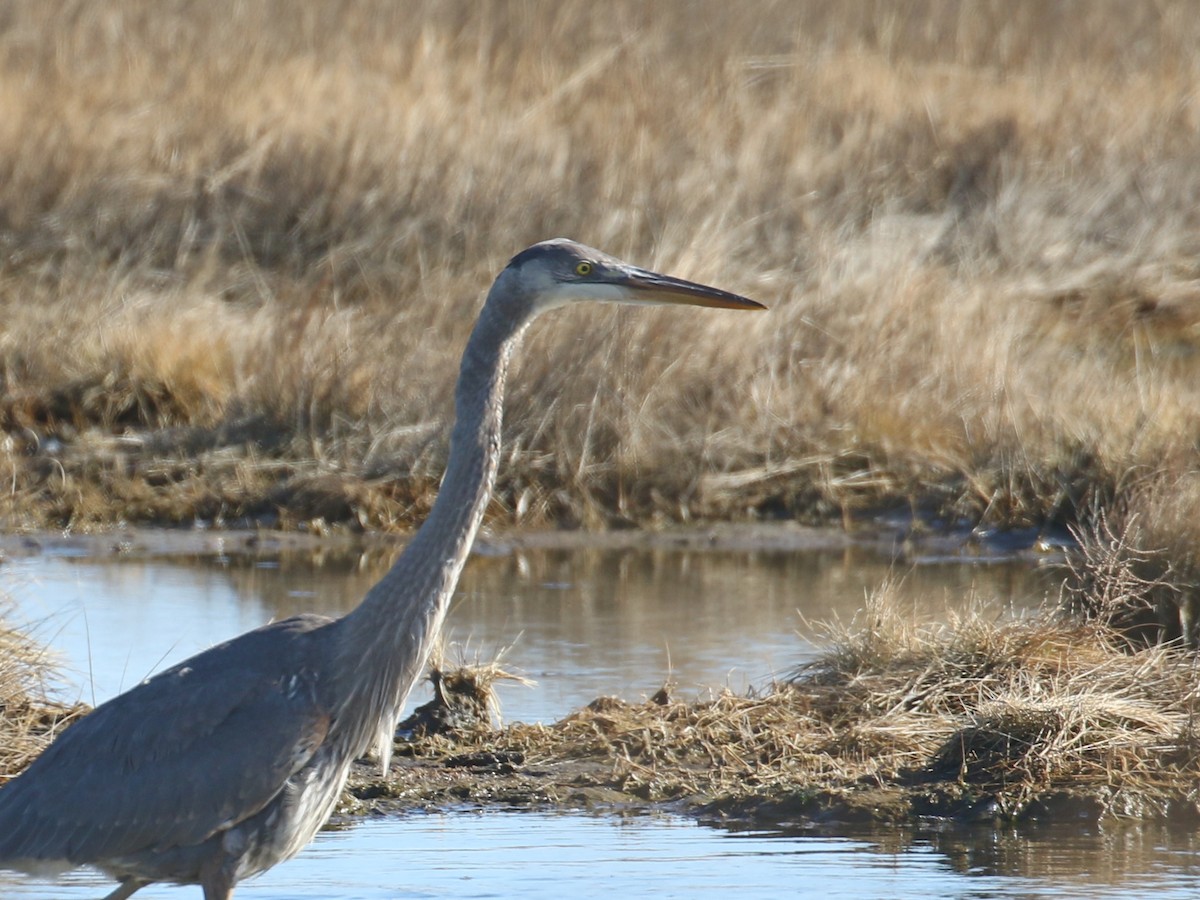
x: 534, y: 855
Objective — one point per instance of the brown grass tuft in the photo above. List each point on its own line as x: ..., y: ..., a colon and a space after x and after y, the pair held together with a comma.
x: 30, y: 717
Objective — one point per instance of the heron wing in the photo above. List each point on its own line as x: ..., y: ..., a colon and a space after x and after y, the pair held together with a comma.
x: 190, y: 752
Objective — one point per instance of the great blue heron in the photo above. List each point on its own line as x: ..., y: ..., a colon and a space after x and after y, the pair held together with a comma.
x: 228, y: 763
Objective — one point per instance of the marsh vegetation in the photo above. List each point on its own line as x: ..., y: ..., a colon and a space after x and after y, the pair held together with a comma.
x: 241, y: 246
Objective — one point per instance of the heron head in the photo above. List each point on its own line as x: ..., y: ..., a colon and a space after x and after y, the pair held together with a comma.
x: 556, y: 272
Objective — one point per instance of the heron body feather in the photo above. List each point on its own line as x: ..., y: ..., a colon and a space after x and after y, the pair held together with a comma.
x: 191, y: 752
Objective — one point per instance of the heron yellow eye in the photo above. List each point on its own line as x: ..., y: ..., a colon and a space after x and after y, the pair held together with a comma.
x: 584, y: 268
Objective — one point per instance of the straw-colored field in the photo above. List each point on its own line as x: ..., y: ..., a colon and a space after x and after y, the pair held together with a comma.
x: 241, y: 245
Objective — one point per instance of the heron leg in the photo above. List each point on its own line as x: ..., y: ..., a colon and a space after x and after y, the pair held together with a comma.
x: 217, y: 889
x: 217, y: 880
x: 126, y: 889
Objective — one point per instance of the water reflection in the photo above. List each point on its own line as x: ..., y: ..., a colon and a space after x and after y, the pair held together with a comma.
x: 1135, y: 855
x: 537, y: 855
x: 581, y: 623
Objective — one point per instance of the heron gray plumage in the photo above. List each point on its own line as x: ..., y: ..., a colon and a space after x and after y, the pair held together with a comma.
x: 227, y: 763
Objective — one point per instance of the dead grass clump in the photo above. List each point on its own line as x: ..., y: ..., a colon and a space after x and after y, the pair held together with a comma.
x: 1144, y: 596
x: 29, y: 716
x: 464, y: 697
x: 1078, y: 740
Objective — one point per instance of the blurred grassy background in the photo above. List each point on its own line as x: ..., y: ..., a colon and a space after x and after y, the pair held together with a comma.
x: 241, y: 246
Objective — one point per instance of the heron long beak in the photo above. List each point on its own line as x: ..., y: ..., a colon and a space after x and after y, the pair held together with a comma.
x: 645, y: 286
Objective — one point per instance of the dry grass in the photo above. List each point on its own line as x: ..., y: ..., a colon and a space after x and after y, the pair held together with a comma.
x: 241, y: 246
x: 29, y: 715
x: 464, y: 695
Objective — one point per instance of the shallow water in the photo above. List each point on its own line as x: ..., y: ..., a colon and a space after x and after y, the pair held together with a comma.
x: 538, y: 855
x: 582, y: 624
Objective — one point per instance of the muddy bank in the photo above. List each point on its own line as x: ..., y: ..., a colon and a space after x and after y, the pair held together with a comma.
x: 898, y: 536
x: 509, y: 782
x: 618, y: 757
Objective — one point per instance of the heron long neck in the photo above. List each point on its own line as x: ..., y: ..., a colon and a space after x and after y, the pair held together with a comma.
x: 385, y: 642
